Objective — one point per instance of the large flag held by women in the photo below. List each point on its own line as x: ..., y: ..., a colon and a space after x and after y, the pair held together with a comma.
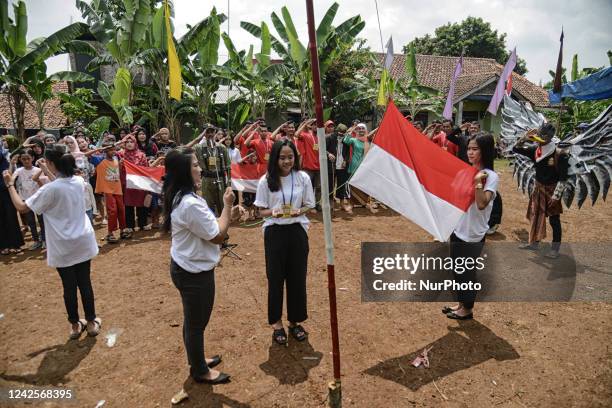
x: 245, y: 176
x: 144, y: 178
x: 406, y: 171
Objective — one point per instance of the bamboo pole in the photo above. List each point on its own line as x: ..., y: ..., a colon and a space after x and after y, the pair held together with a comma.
x: 334, y: 387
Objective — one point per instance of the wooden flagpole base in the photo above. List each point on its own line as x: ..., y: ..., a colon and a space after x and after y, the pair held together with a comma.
x: 334, y: 394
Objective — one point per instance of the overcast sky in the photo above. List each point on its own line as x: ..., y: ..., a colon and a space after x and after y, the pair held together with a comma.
x: 532, y: 26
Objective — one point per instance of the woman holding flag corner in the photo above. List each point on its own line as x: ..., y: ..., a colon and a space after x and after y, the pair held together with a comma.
x: 468, y: 238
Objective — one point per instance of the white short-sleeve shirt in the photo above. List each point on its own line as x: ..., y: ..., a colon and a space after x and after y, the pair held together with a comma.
x: 69, y: 235
x: 26, y: 187
x: 303, y: 196
x: 193, y: 226
x: 475, y: 223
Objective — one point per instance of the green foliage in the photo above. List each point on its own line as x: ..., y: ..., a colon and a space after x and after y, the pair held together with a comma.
x: 77, y: 106
x: 474, y: 35
x: 22, y: 64
x: 98, y: 126
x: 331, y: 42
x: 342, y: 76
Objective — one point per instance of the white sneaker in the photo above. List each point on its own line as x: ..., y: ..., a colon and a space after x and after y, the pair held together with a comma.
x: 493, y: 229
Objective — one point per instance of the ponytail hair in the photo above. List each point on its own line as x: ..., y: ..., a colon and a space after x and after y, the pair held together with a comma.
x: 178, y: 181
x: 62, y: 160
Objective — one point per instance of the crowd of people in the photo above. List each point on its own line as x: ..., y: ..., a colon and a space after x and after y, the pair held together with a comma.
x: 61, y: 189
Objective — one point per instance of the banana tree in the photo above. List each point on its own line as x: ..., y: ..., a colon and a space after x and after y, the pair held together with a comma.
x: 201, y: 71
x: 409, y: 94
x: 123, y: 37
x: 17, y: 55
x: 331, y: 41
x: 262, y: 81
x: 39, y: 86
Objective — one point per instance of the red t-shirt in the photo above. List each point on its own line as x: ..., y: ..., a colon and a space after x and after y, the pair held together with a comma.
x: 244, y: 150
x: 441, y: 140
x: 309, y: 150
x: 262, y: 147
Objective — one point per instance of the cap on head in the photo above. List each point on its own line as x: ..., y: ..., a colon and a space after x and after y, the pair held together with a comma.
x: 546, y: 132
x: 341, y: 128
x: 329, y: 123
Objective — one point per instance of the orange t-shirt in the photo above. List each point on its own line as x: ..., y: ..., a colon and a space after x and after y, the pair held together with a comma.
x: 108, y: 177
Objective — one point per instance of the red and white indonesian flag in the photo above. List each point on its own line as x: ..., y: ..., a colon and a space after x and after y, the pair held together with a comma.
x: 144, y: 178
x: 406, y: 171
x: 245, y: 176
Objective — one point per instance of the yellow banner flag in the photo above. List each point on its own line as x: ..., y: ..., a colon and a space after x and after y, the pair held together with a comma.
x: 382, y: 91
x: 174, y: 66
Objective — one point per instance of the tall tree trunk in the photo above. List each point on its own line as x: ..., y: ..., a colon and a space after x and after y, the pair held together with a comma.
x: 18, y: 101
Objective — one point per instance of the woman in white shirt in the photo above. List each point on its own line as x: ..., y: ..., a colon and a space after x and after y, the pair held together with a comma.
x: 284, y: 196
x: 196, y: 236
x: 468, y: 238
x: 71, y: 242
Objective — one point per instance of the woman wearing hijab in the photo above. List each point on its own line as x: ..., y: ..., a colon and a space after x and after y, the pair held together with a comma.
x: 133, y: 199
x: 81, y: 160
x: 360, y: 144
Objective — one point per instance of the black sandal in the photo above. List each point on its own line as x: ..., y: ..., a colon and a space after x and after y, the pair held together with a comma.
x: 280, y: 336
x: 298, y: 332
x: 216, y: 360
x: 223, y: 378
x: 455, y: 316
x: 448, y: 309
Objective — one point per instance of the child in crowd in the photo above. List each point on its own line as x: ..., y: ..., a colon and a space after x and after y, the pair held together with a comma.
x: 108, y: 182
x: 90, y: 199
x: 24, y: 180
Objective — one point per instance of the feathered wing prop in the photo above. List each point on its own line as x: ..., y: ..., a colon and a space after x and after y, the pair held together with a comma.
x: 590, y: 153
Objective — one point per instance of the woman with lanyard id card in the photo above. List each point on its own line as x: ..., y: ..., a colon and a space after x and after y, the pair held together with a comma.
x: 284, y: 196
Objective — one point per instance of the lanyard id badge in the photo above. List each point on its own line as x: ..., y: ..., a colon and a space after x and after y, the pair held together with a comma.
x: 286, y: 210
x: 212, y: 162
x: 287, y: 206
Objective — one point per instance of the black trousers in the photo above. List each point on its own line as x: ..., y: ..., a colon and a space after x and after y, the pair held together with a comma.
x: 555, y: 224
x: 496, y: 211
x: 130, y: 219
x: 73, y: 277
x: 286, y: 248
x: 462, y: 249
x: 31, y: 221
x: 198, y: 296
x: 342, y: 188
x: 10, y: 234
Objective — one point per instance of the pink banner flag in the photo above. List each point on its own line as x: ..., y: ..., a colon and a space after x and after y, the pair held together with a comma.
x: 448, y: 108
x: 500, y: 88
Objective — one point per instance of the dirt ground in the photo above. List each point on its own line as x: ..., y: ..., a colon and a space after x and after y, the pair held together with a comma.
x: 512, y: 354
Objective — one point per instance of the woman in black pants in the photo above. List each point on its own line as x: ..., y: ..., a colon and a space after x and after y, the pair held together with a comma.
x: 284, y: 196
x: 468, y: 238
x: 196, y: 236
x: 71, y: 242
